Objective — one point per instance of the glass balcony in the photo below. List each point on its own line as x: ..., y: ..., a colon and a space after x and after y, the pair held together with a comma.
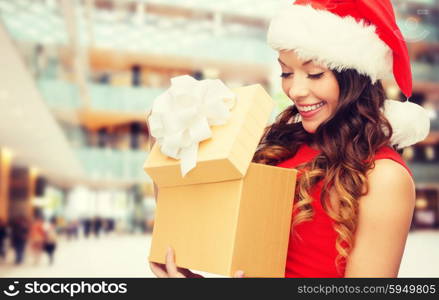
x: 61, y: 94
x: 129, y: 99
x: 110, y: 164
x: 156, y: 35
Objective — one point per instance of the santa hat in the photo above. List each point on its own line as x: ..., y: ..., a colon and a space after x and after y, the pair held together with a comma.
x: 354, y: 34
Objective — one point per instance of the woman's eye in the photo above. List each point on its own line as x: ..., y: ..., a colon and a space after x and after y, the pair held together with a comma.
x: 315, y: 76
x: 285, y: 75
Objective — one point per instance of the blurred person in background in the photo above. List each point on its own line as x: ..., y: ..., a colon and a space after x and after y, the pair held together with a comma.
x: 110, y: 225
x: 75, y: 229
x: 36, y: 239
x: 60, y: 224
x: 87, y: 223
x: 72, y: 229
x: 3, y: 235
x: 50, y: 238
x: 97, y: 226
x: 19, y: 235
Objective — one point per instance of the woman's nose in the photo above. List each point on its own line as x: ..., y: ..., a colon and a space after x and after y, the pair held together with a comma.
x: 298, y: 89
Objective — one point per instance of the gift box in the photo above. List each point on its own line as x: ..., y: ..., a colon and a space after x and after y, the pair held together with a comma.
x: 227, y: 213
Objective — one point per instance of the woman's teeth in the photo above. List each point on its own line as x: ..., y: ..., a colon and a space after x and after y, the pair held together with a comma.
x: 310, y: 108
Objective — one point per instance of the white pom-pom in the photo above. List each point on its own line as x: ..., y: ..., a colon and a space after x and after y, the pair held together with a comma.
x: 410, y: 122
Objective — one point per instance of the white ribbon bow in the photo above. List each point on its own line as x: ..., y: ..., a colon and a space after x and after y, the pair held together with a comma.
x: 181, y: 117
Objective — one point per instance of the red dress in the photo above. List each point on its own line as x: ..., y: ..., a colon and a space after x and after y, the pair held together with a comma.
x: 311, y: 250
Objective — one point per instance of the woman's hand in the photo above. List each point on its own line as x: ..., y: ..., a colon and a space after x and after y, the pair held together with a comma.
x: 170, y: 270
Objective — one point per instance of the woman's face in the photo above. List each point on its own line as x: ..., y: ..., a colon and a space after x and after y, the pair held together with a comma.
x: 312, y: 87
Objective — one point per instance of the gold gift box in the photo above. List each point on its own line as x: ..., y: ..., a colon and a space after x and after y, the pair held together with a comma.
x: 227, y: 213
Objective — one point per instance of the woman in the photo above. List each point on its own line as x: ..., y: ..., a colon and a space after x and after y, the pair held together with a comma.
x: 354, y: 195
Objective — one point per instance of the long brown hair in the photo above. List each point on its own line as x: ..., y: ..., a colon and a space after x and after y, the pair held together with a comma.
x: 347, y: 141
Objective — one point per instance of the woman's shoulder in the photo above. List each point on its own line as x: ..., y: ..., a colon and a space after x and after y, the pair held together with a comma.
x: 390, y: 158
x: 384, y: 168
x: 390, y: 174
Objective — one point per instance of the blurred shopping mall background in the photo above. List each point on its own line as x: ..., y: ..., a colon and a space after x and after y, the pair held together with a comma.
x: 77, y: 80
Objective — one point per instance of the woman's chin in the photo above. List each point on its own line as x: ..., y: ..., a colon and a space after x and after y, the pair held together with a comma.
x: 310, y: 128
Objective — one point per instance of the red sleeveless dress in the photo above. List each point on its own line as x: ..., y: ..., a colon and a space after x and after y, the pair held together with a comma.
x: 311, y: 250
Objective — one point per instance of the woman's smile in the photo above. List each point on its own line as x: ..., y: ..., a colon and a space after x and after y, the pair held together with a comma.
x: 308, y: 111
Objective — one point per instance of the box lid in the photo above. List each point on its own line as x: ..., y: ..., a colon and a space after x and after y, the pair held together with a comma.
x: 228, y: 153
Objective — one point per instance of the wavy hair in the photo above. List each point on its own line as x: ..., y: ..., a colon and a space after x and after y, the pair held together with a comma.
x: 347, y: 141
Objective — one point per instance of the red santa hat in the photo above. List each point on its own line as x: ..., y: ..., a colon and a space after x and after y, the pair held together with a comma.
x: 353, y: 34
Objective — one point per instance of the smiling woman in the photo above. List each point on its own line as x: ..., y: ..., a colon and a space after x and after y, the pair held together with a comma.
x: 339, y: 138
x: 354, y: 195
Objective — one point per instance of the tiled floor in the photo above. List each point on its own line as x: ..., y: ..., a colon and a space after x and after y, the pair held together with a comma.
x: 126, y: 256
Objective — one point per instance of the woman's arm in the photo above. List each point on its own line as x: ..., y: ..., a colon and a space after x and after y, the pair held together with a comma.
x: 385, y: 215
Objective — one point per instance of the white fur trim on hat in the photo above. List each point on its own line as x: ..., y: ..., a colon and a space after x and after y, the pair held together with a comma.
x: 339, y: 43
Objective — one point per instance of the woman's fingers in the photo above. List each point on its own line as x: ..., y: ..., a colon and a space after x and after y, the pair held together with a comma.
x: 239, y: 274
x: 171, y: 268
x: 159, y: 270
